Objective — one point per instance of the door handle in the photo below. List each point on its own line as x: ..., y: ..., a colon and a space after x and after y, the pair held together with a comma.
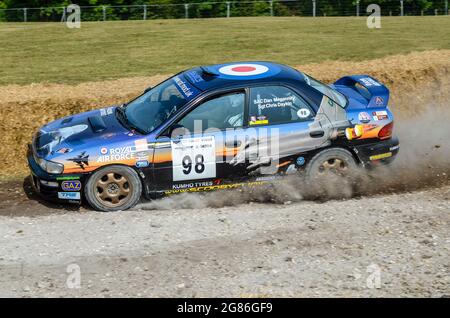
x: 233, y: 144
x: 317, y: 133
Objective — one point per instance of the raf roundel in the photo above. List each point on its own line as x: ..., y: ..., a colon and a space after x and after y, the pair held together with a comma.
x: 243, y: 69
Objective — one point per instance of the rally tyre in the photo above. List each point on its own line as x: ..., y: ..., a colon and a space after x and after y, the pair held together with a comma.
x: 337, y: 161
x: 113, y: 188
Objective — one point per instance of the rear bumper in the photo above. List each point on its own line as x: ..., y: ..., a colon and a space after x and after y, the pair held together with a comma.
x: 53, y: 187
x: 378, y: 152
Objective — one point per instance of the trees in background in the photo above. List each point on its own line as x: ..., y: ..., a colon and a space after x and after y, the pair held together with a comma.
x: 205, y: 9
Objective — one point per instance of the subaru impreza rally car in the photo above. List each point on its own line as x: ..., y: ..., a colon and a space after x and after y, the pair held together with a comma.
x: 214, y: 127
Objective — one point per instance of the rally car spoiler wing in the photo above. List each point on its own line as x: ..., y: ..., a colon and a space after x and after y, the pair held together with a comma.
x: 376, y: 94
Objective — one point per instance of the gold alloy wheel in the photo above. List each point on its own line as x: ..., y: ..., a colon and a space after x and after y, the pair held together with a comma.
x: 113, y: 189
x: 333, y: 165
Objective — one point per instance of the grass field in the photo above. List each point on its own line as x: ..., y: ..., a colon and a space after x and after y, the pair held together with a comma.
x: 51, y: 52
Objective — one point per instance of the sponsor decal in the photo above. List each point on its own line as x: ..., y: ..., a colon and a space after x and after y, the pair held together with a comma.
x: 364, y: 117
x: 69, y: 195
x: 106, y: 111
x: 141, y: 145
x: 300, y: 161
x: 394, y: 148
x: 216, y: 187
x: 380, y: 115
x: 379, y: 101
x: 68, y: 178
x: 256, y: 118
x: 142, y: 164
x: 179, y: 186
x: 143, y: 155
x: 381, y: 156
x: 303, y: 113
x: 73, y: 185
x: 82, y: 160
x: 268, y: 178
x: 243, y: 69
x: 138, y: 151
x: 184, y: 87
x: 259, y: 122
x: 194, y: 77
x: 117, y: 154
x: 368, y: 81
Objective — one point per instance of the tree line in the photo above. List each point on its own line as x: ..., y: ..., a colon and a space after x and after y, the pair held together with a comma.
x: 206, y: 9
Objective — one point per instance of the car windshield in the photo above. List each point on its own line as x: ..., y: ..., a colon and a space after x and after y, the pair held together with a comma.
x: 154, y: 107
x: 334, y: 95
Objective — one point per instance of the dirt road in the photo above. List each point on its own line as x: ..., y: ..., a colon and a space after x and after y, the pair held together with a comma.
x: 385, y: 245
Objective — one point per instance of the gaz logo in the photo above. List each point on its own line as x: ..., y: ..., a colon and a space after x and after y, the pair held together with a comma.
x: 73, y: 185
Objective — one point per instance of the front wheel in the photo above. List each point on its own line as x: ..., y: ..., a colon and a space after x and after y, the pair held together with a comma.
x: 113, y: 188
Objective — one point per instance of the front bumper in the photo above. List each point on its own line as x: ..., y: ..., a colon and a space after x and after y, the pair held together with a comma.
x: 378, y: 152
x: 53, y: 187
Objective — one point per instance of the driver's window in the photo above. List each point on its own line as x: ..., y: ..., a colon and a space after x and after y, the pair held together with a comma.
x: 226, y: 111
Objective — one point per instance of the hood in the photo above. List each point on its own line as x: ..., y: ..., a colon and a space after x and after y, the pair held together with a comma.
x: 70, y: 133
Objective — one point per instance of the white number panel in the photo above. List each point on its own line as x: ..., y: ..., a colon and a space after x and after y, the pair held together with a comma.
x: 194, y: 158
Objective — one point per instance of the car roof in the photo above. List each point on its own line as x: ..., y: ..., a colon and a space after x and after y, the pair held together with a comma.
x: 240, y: 73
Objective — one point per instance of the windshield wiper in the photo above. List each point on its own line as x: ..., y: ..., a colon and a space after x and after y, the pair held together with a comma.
x: 122, y: 117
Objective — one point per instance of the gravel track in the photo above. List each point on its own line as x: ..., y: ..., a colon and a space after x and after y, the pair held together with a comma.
x: 307, y: 248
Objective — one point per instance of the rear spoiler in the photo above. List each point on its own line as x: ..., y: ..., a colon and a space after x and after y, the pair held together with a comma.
x: 377, y: 94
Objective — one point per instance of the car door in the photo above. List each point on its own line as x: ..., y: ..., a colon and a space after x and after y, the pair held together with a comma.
x: 281, y: 124
x: 192, y: 154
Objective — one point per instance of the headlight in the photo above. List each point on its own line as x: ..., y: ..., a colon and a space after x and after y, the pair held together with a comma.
x: 50, y: 166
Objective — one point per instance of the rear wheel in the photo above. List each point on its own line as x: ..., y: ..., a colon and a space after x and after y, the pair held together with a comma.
x: 113, y: 188
x: 337, y: 161
x: 329, y: 173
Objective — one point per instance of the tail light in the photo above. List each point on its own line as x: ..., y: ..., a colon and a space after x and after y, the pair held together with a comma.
x: 386, y: 131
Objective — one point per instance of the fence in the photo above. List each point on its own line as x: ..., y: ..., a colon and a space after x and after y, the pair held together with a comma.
x: 222, y: 9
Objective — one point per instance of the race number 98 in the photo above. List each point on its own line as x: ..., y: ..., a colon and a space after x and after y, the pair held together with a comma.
x: 199, y: 164
x: 194, y: 158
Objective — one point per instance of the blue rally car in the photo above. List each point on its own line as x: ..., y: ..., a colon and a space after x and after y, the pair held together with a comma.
x: 214, y: 127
